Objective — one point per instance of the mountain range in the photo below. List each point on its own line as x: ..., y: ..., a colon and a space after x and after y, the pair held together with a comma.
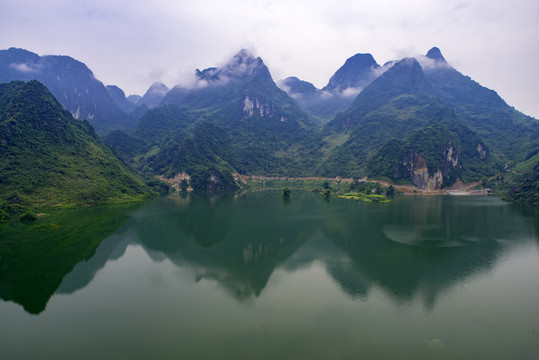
x: 265, y: 126
x: 70, y: 81
x: 347, y: 82
x: 413, y: 120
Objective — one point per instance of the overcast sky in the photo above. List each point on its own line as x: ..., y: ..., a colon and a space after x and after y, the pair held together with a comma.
x: 132, y: 43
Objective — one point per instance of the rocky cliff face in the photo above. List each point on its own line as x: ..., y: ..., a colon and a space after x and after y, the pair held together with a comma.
x: 433, y: 157
x: 451, y: 158
x: 255, y: 106
x: 418, y: 171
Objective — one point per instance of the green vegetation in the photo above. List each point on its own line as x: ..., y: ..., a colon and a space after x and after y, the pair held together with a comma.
x: 248, y: 125
x: 405, y: 118
x: 369, y: 187
x: 28, y: 217
x: 447, y: 146
x: 368, y: 191
x: 308, y: 184
x: 207, y: 156
x: 184, y: 185
x: 401, y: 112
x: 408, y: 121
x: 286, y: 193
x: 364, y: 197
x: 49, y: 159
x: 505, y: 130
x: 392, y: 107
x: 359, y: 190
x: 263, y: 123
x: 524, y: 188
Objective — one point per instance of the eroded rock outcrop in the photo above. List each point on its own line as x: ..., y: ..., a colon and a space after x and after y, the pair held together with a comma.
x: 419, y: 173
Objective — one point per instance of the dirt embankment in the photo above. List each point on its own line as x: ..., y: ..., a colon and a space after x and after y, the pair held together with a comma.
x: 245, y: 178
x: 176, y: 180
x: 459, y: 188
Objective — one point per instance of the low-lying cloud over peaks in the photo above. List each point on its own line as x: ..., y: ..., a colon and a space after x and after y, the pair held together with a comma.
x: 432, y: 64
x: 25, y: 67
x: 122, y: 42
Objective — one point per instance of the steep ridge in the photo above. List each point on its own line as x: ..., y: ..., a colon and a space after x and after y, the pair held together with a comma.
x: 71, y: 82
x: 263, y: 123
x: 118, y: 96
x: 154, y: 95
x: 415, y: 110
x: 48, y: 158
x: 397, y: 104
x: 356, y: 73
x: 392, y: 106
x: 506, y: 130
x: 404, y: 80
x: 323, y: 104
x: 434, y: 157
x: 208, y: 157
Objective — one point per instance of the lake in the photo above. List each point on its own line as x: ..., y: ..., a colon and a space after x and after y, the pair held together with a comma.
x: 250, y: 276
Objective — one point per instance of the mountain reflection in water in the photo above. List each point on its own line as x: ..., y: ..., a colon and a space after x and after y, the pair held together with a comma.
x: 411, y: 248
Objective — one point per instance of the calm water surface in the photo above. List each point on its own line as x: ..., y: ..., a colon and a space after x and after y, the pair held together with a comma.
x: 253, y: 277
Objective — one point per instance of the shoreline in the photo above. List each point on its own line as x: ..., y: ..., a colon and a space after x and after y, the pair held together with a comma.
x: 458, y: 189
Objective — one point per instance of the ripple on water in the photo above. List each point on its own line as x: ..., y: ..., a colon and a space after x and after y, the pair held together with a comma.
x: 423, y: 236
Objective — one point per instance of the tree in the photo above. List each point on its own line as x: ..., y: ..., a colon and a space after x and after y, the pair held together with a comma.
x: 184, y: 185
x: 286, y: 193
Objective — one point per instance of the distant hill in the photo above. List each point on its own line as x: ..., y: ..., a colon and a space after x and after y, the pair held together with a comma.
x: 263, y: 123
x: 234, y: 119
x: 391, y: 107
x: 399, y: 103
x: 134, y: 98
x: 506, y: 130
x: 435, y: 156
x: 412, y: 109
x: 154, y: 95
x: 118, y: 96
x: 356, y: 73
x: 71, y: 82
x: 415, y: 120
x: 323, y: 104
x: 50, y: 159
x: 151, y: 146
x: 208, y: 157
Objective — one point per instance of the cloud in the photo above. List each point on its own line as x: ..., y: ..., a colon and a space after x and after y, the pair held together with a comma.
x: 325, y: 94
x: 382, y: 69
x: 281, y: 84
x: 241, y: 64
x: 432, y: 64
x: 351, y: 92
x: 25, y: 67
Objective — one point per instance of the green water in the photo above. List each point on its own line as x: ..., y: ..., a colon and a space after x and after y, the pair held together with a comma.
x: 253, y: 277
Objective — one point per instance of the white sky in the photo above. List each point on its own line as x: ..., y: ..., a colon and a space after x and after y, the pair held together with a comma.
x: 132, y: 43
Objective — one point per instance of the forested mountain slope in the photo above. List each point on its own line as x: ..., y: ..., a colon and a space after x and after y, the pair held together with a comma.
x: 48, y: 158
